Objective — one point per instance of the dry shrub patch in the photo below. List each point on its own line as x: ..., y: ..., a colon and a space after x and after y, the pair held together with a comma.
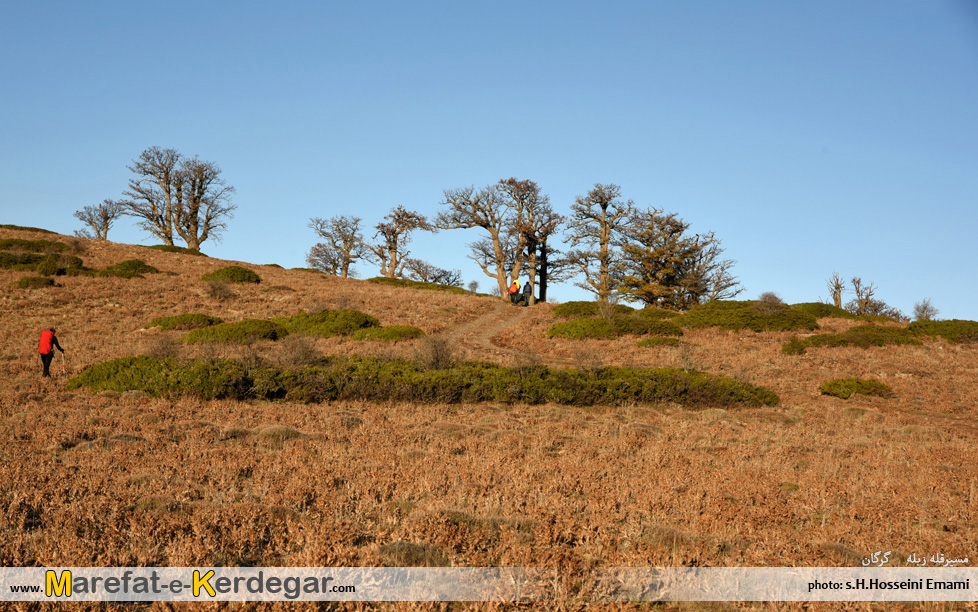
x: 172, y: 248
x: 327, y: 323
x: 184, y: 322
x: 847, y: 387
x: 242, y: 332
x: 35, y: 282
x: 863, y: 336
x: 391, y: 333
x: 587, y: 309
x: 365, y: 378
x: 953, y: 330
x: 756, y: 316
x: 654, y: 342
x: 232, y: 274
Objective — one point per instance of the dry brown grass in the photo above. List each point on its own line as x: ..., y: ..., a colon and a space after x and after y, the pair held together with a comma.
x: 123, y: 479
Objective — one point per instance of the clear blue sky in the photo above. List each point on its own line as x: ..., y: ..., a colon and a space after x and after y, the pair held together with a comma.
x: 812, y: 137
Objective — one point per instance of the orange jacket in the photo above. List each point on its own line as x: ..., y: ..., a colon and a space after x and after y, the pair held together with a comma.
x: 514, y: 288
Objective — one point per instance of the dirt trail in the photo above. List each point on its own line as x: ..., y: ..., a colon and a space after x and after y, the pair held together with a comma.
x: 476, y: 336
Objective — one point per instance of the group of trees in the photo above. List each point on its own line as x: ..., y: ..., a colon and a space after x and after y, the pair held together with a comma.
x: 171, y: 196
x: 865, y: 301
x: 617, y: 250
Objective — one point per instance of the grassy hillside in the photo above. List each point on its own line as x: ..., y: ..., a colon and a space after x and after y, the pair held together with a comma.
x: 125, y: 478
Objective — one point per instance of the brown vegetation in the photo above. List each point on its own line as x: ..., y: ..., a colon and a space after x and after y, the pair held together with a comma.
x: 120, y: 479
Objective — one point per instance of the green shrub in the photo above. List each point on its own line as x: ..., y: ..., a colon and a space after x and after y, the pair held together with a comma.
x: 600, y: 328
x: 130, y: 268
x: 876, y: 319
x: 35, y: 282
x: 863, y: 336
x: 48, y: 266
x: 846, y: 387
x: 820, y: 310
x: 242, y: 332
x: 184, y: 322
x: 413, y: 284
x: 232, y: 274
x: 954, y: 330
x: 654, y: 342
x: 308, y: 270
x: 586, y: 309
x: 172, y: 248
x: 327, y: 323
x: 657, y: 314
x: 365, y: 378
x: 22, y: 261
x: 32, y: 246
x: 736, y: 315
x: 26, y: 229
x: 392, y: 333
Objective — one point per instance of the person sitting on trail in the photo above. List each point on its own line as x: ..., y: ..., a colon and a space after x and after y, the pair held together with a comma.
x: 514, y: 292
x: 46, y: 347
x: 527, y: 294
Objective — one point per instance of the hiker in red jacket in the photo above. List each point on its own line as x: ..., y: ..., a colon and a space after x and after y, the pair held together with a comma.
x: 46, y: 347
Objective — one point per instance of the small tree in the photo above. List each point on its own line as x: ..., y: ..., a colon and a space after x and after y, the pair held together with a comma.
x: 98, y: 219
x: 394, y: 234
x: 423, y: 271
x: 865, y: 302
x: 344, y: 244
x: 924, y: 311
x: 837, y: 287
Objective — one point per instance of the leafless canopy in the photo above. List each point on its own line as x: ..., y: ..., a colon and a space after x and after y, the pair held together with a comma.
x: 176, y: 196
x: 344, y: 244
x: 425, y: 272
x: 98, y: 219
x: 595, y: 222
x: 392, y: 236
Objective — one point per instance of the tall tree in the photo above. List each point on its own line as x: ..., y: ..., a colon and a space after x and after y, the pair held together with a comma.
x: 394, y: 234
x: 486, y: 208
x: 98, y: 219
x: 596, y: 220
x: 344, y: 244
x: 533, y: 222
x: 171, y: 195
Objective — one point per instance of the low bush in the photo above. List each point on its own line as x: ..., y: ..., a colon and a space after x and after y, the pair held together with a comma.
x: 413, y: 284
x: 819, y: 310
x: 314, y: 270
x: 593, y: 327
x: 876, y: 319
x: 953, y: 330
x: 365, y: 378
x: 327, y: 323
x: 242, y: 332
x: 32, y: 246
x: 48, y: 266
x: 131, y: 268
x: 656, y: 314
x: 847, y: 387
x: 26, y: 229
x: 655, y: 342
x: 35, y: 282
x: 22, y: 261
x: 184, y: 322
x: 586, y: 309
x: 392, y: 333
x: 232, y: 274
x: 172, y: 248
x: 735, y: 315
x: 863, y: 336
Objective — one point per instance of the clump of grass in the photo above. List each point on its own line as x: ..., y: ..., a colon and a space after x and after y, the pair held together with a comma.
x: 327, y: 323
x: 819, y: 310
x: 412, y: 284
x: 242, y: 332
x: 656, y: 342
x: 954, y: 330
x: 232, y: 274
x: 219, y: 290
x: 863, y: 336
x: 172, y: 248
x: 756, y: 316
x: 591, y: 327
x: 35, y: 282
x: 392, y: 333
x: 184, y: 322
x: 410, y: 554
x: 847, y: 387
x: 131, y: 268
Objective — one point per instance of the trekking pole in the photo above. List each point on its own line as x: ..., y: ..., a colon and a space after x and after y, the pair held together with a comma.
x: 64, y: 366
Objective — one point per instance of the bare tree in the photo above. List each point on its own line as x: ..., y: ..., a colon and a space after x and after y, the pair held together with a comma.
x: 533, y: 222
x: 485, y: 208
x: 593, y: 227
x: 394, y: 234
x: 344, y: 244
x: 173, y: 195
x: 925, y: 311
x: 425, y: 272
x: 865, y: 302
x: 98, y: 219
x: 837, y: 287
